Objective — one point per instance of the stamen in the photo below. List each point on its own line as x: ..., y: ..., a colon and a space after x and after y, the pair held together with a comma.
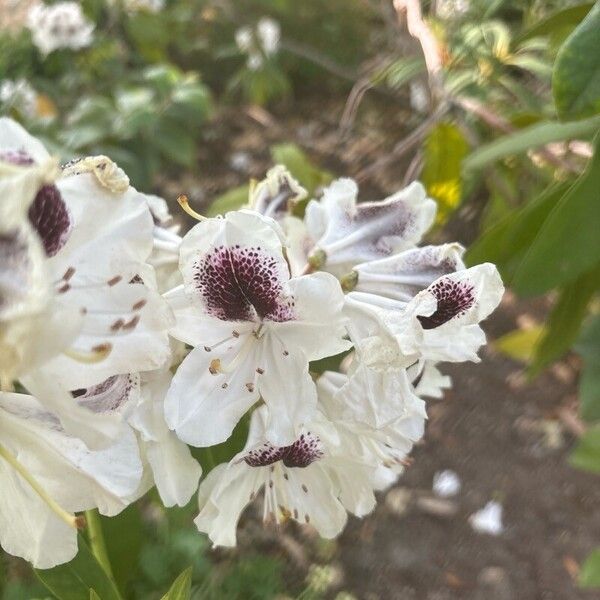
x: 95, y: 355
x: 77, y: 522
x: 185, y: 204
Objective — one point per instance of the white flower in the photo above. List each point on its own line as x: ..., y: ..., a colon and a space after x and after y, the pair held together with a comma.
x: 254, y: 331
x: 166, y: 242
x: 96, y: 236
x: 315, y: 480
x: 346, y: 233
x: 446, y: 483
x: 276, y: 193
x: 174, y: 470
x: 269, y: 34
x: 46, y: 475
x: 427, y: 379
x: 419, y: 96
x: 386, y: 445
x: 488, y: 519
x: 20, y: 95
x: 441, y: 323
x: 259, y: 42
x: 60, y: 25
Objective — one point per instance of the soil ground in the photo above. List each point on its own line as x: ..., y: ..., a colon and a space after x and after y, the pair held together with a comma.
x: 507, y: 439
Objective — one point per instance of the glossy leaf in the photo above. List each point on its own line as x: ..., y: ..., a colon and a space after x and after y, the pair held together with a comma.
x: 506, y: 243
x: 565, y: 320
x: 181, y: 588
x: 576, y: 77
x: 568, y: 243
x: 525, y: 139
x: 76, y: 579
x: 445, y: 148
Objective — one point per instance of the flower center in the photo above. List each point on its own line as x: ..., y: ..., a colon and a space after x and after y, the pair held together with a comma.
x: 304, y: 451
x: 48, y: 213
x: 49, y: 216
x: 106, y: 396
x: 453, y: 299
x: 241, y: 284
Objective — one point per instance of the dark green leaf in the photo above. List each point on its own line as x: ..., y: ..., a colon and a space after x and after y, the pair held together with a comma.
x: 568, y: 243
x: 565, y: 320
x: 75, y: 580
x: 175, y: 142
x: 507, y: 242
x: 123, y: 538
x: 588, y: 347
x: 586, y: 455
x: 589, y: 577
x: 566, y: 18
x: 181, y: 588
x: 576, y: 77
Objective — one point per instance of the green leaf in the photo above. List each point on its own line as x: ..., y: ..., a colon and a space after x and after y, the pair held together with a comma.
x: 535, y: 136
x: 576, y: 77
x: 557, y: 22
x: 300, y: 166
x: 519, y: 344
x: 586, y: 455
x: 568, y: 243
x: 589, y: 576
x: 175, y: 142
x: 181, y: 588
x: 445, y: 148
x: 76, y: 579
x: 94, y: 596
x: 507, y: 242
x: 588, y: 347
x: 565, y: 320
x: 123, y: 537
x: 230, y: 200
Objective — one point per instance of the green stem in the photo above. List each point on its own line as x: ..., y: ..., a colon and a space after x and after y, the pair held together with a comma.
x: 97, y: 543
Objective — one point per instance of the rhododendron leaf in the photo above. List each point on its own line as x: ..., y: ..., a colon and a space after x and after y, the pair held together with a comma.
x: 181, y: 588
x: 75, y: 580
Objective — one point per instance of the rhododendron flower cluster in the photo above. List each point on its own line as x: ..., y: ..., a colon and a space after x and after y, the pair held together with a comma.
x: 123, y: 343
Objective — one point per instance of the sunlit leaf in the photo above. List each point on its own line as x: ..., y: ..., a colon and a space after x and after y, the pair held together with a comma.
x: 558, y: 22
x: 519, y: 344
x: 589, y: 576
x: 445, y: 148
x: 181, y: 588
x: 525, y: 139
x: 576, y: 77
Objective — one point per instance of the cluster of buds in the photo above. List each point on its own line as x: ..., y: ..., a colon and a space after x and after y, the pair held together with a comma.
x: 122, y: 344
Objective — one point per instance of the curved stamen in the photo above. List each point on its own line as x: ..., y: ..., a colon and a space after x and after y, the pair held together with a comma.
x: 185, y: 204
x: 95, y: 355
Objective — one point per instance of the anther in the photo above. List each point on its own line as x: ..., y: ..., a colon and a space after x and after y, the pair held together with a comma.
x: 132, y: 324
x: 139, y: 304
x: 260, y: 371
x: 250, y: 387
x: 114, y: 280
x: 215, y: 366
x: 69, y: 273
